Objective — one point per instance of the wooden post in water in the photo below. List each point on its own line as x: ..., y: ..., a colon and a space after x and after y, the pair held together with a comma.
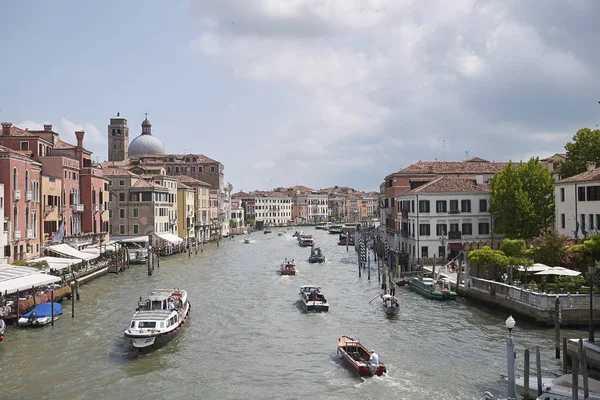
x: 575, y: 378
x: 72, y: 301
x: 564, y: 363
x: 34, y: 299
x: 557, y: 326
x: 538, y: 370
x: 347, y: 239
x: 378, y: 269
x: 150, y: 255
x: 433, y: 268
x: 579, y: 351
x: 584, y: 373
x: 18, y: 310
x: 526, y: 374
x: 52, y: 307
x: 77, y: 288
x: 368, y: 263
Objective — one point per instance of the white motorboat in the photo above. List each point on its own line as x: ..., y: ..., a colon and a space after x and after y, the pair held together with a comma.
x: 41, y: 315
x: 159, y: 318
x: 312, y: 299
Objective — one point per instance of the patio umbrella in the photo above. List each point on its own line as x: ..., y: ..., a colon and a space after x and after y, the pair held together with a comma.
x: 559, y: 271
x: 537, y: 267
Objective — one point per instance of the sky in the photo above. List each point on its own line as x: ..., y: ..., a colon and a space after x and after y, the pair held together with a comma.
x: 309, y: 92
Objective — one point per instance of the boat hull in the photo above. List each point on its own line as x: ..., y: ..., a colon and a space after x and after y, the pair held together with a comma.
x: 313, y: 260
x: 151, y: 342
x: 287, y: 272
x: 315, y: 307
x: 433, y: 295
x: 40, y: 321
x: 357, y: 362
x: 393, y: 310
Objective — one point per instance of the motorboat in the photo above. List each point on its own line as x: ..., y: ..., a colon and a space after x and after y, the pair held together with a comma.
x: 432, y: 289
x: 247, y: 239
x: 359, y: 358
x: 297, y: 234
x: 557, y: 387
x: 279, y: 233
x: 312, y: 299
x: 316, y: 256
x: 306, y: 241
x: 138, y: 256
x: 391, y: 305
x: 335, y: 228
x: 41, y: 315
x: 346, y: 239
x: 2, y: 329
x: 159, y: 318
x: 287, y: 268
x: 267, y: 230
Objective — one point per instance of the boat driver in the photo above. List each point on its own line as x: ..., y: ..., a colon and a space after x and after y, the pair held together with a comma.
x: 374, y: 359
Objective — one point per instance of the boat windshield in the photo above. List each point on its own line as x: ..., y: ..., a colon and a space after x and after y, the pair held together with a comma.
x: 146, y: 324
x: 156, y: 305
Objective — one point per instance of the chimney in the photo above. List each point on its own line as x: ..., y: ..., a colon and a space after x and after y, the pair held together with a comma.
x: 79, y: 135
x: 430, y: 169
x: 591, y: 165
x: 48, y: 127
x: 6, y: 128
x: 479, y: 179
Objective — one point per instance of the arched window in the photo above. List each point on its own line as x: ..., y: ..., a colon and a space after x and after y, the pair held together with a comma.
x: 93, y: 196
x: 26, y: 219
x: 26, y: 180
x: 113, y: 132
x: 15, y: 218
x: 114, y: 145
x: 15, y: 179
x: 119, y: 132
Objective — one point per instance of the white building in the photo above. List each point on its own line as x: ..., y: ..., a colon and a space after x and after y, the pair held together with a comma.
x: 225, y: 202
x: 316, y: 207
x: 270, y: 208
x: 4, y: 228
x: 577, y: 203
x: 439, y: 216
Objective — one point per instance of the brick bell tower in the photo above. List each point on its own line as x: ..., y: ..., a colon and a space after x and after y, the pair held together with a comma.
x: 118, y: 139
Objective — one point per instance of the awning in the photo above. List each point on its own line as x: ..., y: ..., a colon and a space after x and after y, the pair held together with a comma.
x: 169, y: 237
x: 537, y: 267
x: 134, y: 239
x: 13, y: 278
x: 83, y: 244
x: 58, y: 263
x: 68, y: 251
x: 456, y: 246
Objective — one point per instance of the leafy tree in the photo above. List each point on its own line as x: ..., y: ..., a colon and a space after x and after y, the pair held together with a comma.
x: 232, y: 223
x: 488, y: 258
x: 522, y: 198
x: 251, y: 223
x: 552, y: 248
x: 516, y: 254
x: 584, y: 147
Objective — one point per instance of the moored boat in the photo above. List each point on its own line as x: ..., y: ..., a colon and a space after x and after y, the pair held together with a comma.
x: 391, y: 305
x: 346, y: 238
x: 312, y: 299
x: 335, y: 228
x: 2, y: 328
x: 158, y: 319
x: 138, y: 256
x: 361, y: 360
x: 306, y: 241
x: 432, y: 289
x: 287, y: 268
x: 297, y: 234
x: 316, y: 256
x: 40, y: 315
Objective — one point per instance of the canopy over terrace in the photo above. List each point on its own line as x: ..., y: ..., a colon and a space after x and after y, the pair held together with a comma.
x: 58, y: 263
x: 169, y: 237
x: 559, y: 271
x: 537, y: 267
x: 68, y: 251
x: 13, y: 278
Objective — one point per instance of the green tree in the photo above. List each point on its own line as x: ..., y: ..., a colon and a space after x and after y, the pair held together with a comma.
x: 489, y: 258
x: 232, y: 223
x: 552, y: 248
x: 584, y: 147
x: 516, y: 254
x: 522, y: 199
x: 251, y: 223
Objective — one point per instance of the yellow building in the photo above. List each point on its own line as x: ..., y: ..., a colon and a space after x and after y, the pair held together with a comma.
x: 51, y: 208
x: 201, y: 206
x: 185, y: 210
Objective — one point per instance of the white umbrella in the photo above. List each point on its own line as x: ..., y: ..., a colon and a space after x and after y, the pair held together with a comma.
x: 537, y: 267
x: 559, y: 271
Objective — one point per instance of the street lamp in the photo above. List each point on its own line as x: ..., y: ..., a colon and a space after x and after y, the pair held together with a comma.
x: 591, y: 268
x: 510, y: 356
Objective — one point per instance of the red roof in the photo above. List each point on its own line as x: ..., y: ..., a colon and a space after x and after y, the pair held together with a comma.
x: 447, y: 184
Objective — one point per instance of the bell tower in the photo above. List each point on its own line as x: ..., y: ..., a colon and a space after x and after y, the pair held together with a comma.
x: 118, y: 139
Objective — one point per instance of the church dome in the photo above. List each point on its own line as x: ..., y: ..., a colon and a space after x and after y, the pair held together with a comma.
x: 145, y: 144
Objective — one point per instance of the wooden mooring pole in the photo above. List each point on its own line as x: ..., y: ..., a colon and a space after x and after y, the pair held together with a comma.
x: 368, y: 263
x: 526, y: 374
x: 72, y: 301
x: 18, y: 303
x: 52, y: 307
x: 557, y: 321
x: 564, y: 363
x: 575, y: 378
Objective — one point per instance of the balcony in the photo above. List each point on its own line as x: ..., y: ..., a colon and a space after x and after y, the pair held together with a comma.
x: 16, y: 194
x: 17, y: 235
x: 48, y: 209
x: 77, y: 208
x: 29, y: 233
x: 28, y: 195
x: 454, y: 235
x: 96, y: 208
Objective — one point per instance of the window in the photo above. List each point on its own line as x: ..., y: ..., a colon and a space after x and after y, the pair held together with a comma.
x: 441, y: 229
x: 110, y: 214
x: 424, y: 252
x: 593, y: 193
x: 484, y: 228
x: 454, y: 206
x: 483, y: 205
x: 582, y: 219
x: 467, y: 229
x: 121, y: 182
x: 440, y: 206
x: 146, y: 196
x: 562, y: 194
x: 121, y: 229
x: 591, y: 222
x: 212, y: 169
x: 136, y: 229
x: 121, y: 213
x: 136, y: 212
x: 465, y: 206
x: 25, y: 146
x: 121, y: 196
x: 442, y: 251
x: 424, y: 229
x: 581, y: 194
x: 423, y: 206
x: 453, y: 227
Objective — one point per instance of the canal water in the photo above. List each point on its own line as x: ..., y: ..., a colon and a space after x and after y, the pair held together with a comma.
x: 248, y: 339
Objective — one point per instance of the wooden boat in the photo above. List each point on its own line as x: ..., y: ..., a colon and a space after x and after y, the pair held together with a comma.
x: 346, y: 238
x: 159, y: 318
x: 41, y: 315
x: 357, y: 357
x: 335, y: 228
x: 391, y: 305
x: 288, y: 268
x: 316, y: 256
x: 2, y: 328
x: 306, y: 241
x: 138, y: 256
x: 297, y: 234
x: 428, y: 287
x: 267, y: 230
x: 312, y: 299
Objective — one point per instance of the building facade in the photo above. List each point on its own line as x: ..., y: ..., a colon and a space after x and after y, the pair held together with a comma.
x: 270, y: 208
x: 118, y: 139
x: 185, y: 211
x: 315, y: 206
x: 51, y: 206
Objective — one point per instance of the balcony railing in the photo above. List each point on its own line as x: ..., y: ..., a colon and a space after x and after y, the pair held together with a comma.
x: 16, y: 194
x: 96, y: 208
x: 28, y: 195
x: 77, y: 208
x: 48, y: 209
x: 17, y: 235
x: 29, y: 233
x: 452, y: 235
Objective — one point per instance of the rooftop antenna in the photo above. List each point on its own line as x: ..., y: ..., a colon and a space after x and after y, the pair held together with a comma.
x: 444, y: 145
x: 146, y: 113
x: 467, y: 154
